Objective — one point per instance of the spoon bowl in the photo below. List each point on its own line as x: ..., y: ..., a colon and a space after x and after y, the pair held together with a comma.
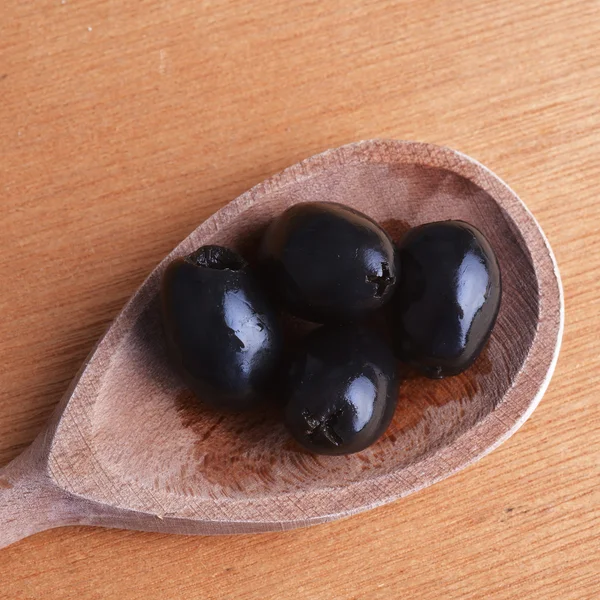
x: 128, y: 446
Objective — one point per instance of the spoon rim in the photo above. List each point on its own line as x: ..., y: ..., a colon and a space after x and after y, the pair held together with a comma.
x: 326, y: 503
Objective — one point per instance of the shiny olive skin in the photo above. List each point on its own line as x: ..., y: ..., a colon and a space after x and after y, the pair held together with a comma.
x: 447, y: 298
x: 342, y: 390
x: 328, y: 262
x: 222, y: 332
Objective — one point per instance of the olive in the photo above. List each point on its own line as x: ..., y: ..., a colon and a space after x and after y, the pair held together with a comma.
x: 342, y: 390
x: 328, y: 262
x: 222, y: 332
x: 447, y: 298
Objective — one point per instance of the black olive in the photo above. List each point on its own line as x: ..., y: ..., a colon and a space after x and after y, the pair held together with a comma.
x: 328, y: 262
x: 342, y: 390
x: 447, y: 298
x: 222, y: 332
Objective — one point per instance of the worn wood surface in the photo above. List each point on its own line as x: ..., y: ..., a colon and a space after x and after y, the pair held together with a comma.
x: 122, y: 127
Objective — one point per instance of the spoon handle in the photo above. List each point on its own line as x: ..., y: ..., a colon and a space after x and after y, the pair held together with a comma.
x: 29, y: 501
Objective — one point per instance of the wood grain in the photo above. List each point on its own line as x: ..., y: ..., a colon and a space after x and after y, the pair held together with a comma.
x: 125, y: 126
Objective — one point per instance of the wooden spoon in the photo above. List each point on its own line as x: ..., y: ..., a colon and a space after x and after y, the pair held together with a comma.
x: 128, y: 447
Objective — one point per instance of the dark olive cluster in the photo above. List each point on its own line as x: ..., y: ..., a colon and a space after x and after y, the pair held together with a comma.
x: 329, y: 264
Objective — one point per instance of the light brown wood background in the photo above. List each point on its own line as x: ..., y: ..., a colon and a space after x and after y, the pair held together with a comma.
x: 125, y: 124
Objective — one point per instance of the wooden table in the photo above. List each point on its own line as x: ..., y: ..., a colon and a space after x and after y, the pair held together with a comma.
x: 124, y: 125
